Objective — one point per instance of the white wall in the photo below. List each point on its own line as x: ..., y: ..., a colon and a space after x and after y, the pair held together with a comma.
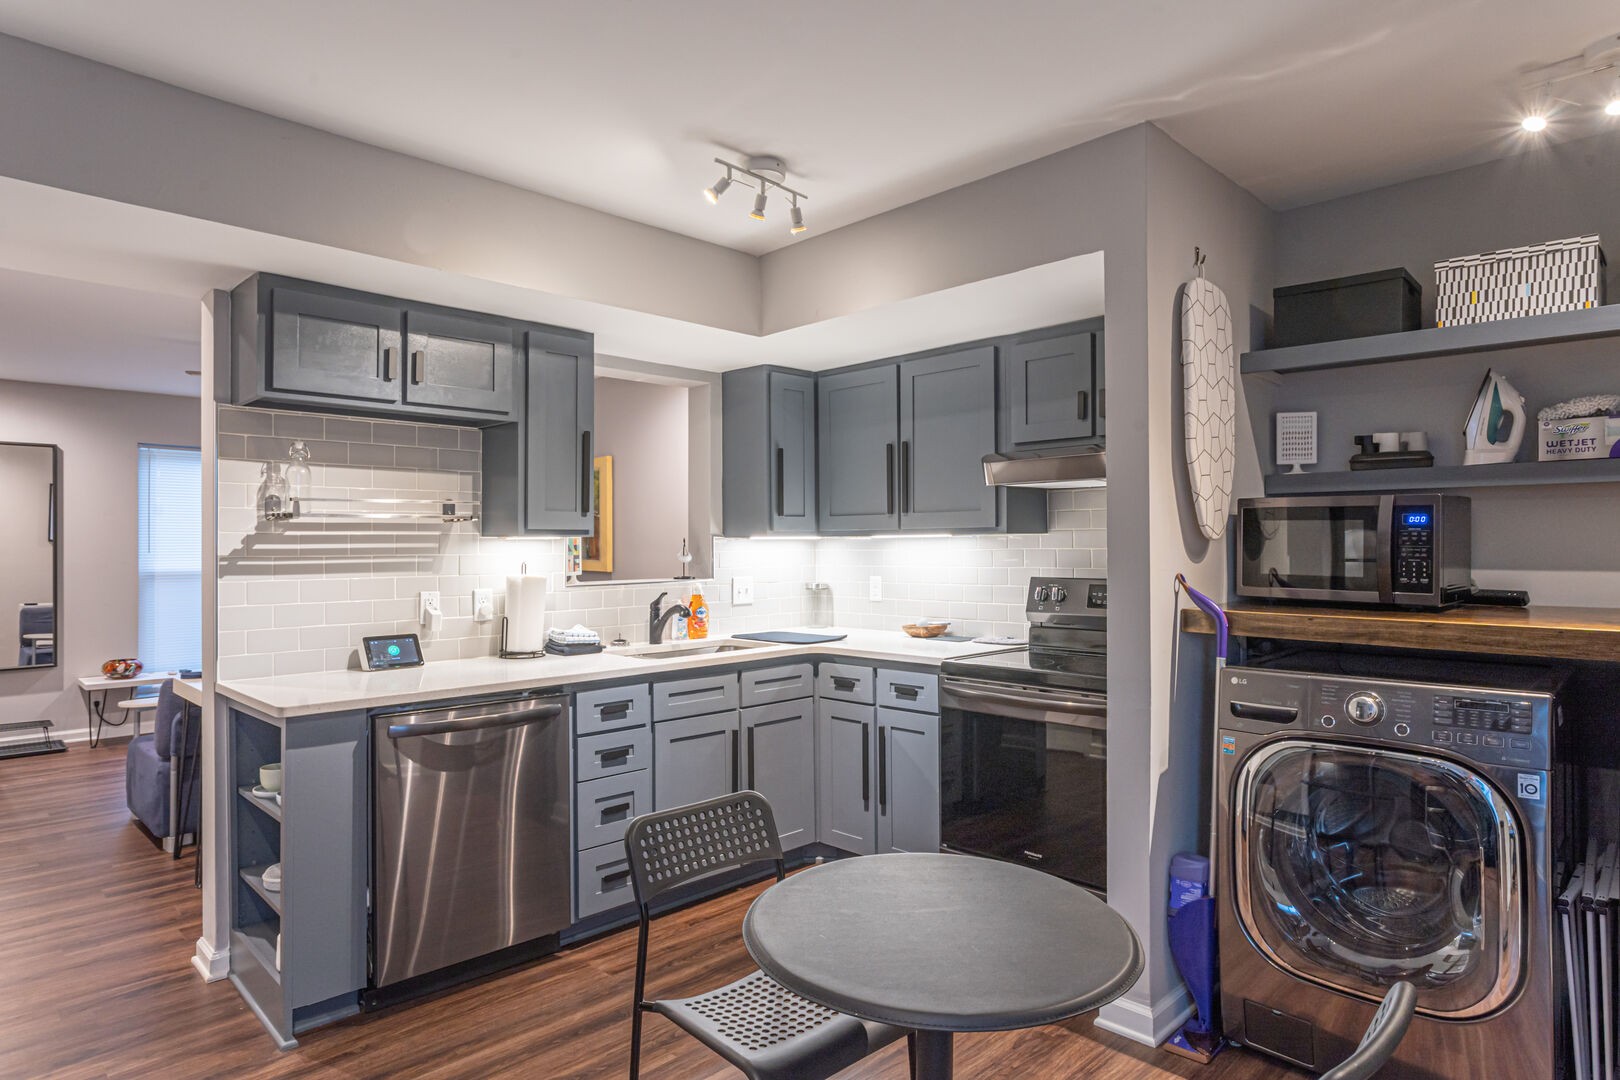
x: 98, y: 431
x: 645, y: 427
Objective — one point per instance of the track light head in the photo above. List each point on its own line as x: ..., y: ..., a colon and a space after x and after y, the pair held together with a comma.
x: 797, y: 216
x: 713, y: 193
x: 1534, y: 122
x: 758, y: 212
x: 1613, y: 107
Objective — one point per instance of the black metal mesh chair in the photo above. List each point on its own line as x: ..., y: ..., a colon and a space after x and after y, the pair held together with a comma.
x: 761, y: 1027
x: 1383, y: 1035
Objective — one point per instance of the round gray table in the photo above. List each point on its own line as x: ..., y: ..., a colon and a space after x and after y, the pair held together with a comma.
x: 940, y: 944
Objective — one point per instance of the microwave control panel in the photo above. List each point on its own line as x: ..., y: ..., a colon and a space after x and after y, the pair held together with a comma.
x: 1413, y: 556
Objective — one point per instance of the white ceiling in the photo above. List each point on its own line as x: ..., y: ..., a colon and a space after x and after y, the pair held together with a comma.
x: 620, y: 105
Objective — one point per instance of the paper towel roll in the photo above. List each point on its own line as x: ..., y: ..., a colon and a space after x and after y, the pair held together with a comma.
x: 525, y: 613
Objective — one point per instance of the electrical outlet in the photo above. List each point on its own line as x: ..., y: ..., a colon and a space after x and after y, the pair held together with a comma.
x: 427, y: 607
x: 483, y: 605
x: 742, y: 591
x: 874, y: 588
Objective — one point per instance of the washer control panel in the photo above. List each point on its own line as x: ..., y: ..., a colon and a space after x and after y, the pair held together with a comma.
x: 1495, y: 726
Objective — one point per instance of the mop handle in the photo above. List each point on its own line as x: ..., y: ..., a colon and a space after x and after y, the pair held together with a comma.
x: 1213, y: 610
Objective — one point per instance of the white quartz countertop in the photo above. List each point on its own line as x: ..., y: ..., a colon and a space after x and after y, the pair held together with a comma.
x: 288, y: 696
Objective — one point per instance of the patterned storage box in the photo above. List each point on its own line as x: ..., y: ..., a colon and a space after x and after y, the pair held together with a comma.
x: 1561, y: 275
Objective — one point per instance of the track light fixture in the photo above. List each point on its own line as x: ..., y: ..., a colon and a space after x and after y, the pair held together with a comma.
x: 1574, y: 78
x: 762, y: 173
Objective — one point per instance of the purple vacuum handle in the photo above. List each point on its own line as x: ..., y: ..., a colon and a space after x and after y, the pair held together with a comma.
x: 1213, y: 610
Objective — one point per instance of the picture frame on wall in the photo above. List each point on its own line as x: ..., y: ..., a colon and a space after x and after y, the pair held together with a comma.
x: 598, y: 545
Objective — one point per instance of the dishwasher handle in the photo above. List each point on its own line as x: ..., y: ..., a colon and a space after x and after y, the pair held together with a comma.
x: 479, y: 722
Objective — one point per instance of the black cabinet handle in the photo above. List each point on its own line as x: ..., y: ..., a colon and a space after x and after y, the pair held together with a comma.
x: 616, y: 812
x: 616, y: 880
x: 1082, y: 405
x: 888, y: 471
x: 843, y: 682
x: 905, y: 476
x: 908, y: 692
x: 585, y: 469
x: 781, y: 481
x: 866, y: 766
x: 734, y: 760
x: 620, y: 753
x: 1102, y: 404
x: 750, y: 759
x: 417, y: 358
x: 883, y: 769
x: 390, y: 356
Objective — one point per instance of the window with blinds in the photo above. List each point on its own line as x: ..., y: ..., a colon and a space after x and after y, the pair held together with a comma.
x: 169, y: 541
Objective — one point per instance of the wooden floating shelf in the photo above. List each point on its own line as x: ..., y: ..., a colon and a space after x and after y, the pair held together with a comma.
x: 1442, y: 477
x: 1532, y: 330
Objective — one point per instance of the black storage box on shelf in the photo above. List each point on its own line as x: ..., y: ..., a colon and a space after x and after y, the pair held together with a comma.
x: 1383, y: 302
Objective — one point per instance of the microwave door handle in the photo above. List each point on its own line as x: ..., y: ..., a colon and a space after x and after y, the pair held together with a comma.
x: 1386, y: 549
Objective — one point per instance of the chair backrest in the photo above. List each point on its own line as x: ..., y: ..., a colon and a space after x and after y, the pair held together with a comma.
x: 1382, y: 1036
x: 175, y: 712
x: 670, y: 847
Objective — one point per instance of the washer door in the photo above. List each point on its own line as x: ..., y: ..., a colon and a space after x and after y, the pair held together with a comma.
x: 1358, y: 867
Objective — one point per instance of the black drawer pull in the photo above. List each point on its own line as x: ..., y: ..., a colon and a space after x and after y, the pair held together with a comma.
x: 902, y: 690
x: 844, y: 682
x: 616, y: 812
x: 615, y: 881
x: 616, y: 756
x: 614, y: 708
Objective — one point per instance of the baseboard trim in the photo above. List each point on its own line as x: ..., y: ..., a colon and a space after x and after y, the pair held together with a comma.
x: 212, y: 964
x: 1149, y: 1025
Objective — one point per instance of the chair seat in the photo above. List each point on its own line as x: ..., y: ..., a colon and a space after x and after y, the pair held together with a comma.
x: 771, y: 1033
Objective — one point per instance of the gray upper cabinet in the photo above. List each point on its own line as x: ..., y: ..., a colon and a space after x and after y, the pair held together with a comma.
x: 561, y: 418
x: 1050, y: 390
x: 846, y: 739
x: 857, y: 436
x: 695, y: 758
x: 779, y: 754
x: 460, y: 362
x: 947, y: 426
x: 907, y: 781
x: 332, y: 346
x: 769, y: 451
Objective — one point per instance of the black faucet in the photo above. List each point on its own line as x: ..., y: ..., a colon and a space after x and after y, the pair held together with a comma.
x: 656, y: 619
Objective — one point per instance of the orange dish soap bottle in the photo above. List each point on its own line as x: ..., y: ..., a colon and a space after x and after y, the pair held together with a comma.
x: 697, y: 623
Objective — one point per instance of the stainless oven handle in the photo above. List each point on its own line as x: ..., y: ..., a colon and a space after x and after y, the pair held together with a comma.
x: 1039, y: 700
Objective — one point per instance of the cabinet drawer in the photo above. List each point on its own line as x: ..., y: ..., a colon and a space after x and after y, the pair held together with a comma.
x: 603, y: 808
x: 789, y: 682
x: 612, y: 708
x: 908, y: 690
x: 611, y: 753
x: 602, y: 878
x: 845, y: 682
x: 694, y: 697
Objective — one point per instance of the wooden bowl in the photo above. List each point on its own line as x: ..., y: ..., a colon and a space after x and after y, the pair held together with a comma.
x: 926, y: 629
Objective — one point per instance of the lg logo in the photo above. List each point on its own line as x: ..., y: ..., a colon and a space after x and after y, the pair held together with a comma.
x: 1236, y: 681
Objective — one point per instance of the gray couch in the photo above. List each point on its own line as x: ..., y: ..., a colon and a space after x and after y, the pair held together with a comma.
x: 162, y: 781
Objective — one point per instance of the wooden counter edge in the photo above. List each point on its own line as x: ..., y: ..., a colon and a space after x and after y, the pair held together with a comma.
x: 1553, y: 632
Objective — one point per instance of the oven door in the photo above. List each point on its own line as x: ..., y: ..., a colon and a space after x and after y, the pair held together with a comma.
x: 1024, y: 775
x: 1315, y: 548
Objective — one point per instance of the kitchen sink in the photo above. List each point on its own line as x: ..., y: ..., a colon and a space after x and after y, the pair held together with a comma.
x: 675, y: 649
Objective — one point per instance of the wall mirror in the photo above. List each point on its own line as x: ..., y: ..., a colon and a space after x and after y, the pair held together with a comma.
x: 30, y: 488
x: 651, y: 474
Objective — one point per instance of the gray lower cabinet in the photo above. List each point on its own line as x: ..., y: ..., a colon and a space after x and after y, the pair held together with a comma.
x: 907, y: 780
x: 769, y: 452
x: 857, y: 438
x: 845, y: 741
x: 947, y: 426
x: 779, y: 758
x: 695, y: 758
x: 460, y: 362
x: 1050, y: 388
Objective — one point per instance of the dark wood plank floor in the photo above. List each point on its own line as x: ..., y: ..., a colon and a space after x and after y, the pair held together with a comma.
x: 97, y: 930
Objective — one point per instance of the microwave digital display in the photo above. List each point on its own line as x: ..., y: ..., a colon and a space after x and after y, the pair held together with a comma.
x: 1415, y: 518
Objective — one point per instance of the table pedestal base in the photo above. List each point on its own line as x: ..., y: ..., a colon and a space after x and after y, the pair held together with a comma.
x: 934, y: 1055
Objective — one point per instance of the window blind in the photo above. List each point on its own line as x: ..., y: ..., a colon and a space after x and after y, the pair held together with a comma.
x: 169, y: 509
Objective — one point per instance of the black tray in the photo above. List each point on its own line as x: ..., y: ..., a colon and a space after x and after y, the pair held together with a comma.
x: 1393, y: 459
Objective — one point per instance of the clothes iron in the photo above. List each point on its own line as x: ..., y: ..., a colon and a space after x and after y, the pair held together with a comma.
x: 1495, y: 426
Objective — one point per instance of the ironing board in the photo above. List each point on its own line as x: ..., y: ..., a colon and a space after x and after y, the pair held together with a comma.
x: 1209, y: 390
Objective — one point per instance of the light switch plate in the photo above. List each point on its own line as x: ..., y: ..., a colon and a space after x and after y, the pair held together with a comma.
x: 874, y: 588
x: 742, y: 591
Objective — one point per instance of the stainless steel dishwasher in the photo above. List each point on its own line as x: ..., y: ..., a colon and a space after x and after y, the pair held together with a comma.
x: 471, y: 827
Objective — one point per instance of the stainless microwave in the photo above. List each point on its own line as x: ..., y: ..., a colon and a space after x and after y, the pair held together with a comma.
x: 1406, y: 550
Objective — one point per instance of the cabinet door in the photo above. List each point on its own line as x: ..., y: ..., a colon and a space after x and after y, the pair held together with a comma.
x: 561, y: 399
x: 857, y: 414
x: 779, y: 754
x: 1049, y: 390
x: 460, y: 363
x: 694, y: 759
x: 947, y: 426
x: 845, y: 738
x: 907, y: 781
x: 793, y: 453
x: 334, y: 346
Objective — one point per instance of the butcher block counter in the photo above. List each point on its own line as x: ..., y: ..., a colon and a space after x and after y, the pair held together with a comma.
x: 1571, y: 633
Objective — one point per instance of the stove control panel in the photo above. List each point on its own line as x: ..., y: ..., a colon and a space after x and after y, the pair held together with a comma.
x: 1071, y: 602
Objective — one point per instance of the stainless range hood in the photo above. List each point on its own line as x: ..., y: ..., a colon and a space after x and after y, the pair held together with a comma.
x: 1083, y: 468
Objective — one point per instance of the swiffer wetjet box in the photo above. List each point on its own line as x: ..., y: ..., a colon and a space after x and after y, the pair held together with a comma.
x: 1583, y: 437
